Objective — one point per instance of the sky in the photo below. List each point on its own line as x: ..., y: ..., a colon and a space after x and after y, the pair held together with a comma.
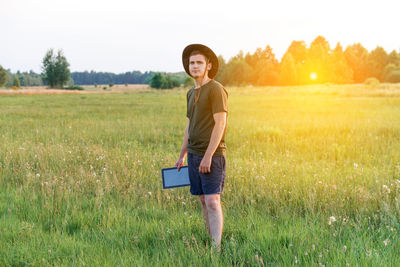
x: 148, y: 35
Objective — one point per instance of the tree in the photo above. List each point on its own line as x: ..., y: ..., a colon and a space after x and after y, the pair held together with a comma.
x: 394, y: 58
x: 222, y: 74
x: 3, y: 76
x: 298, y: 50
x: 62, y: 69
x: 357, y: 56
x: 55, y: 69
x: 287, y: 74
x: 264, y: 66
x: 377, y: 61
x: 16, y: 83
x: 341, y: 71
x: 238, y: 71
x: 318, y: 60
x: 156, y: 80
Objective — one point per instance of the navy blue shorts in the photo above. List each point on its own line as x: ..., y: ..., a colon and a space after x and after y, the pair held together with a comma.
x: 206, y: 183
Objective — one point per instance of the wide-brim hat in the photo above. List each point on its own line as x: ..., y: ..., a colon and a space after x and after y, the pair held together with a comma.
x: 207, y: 51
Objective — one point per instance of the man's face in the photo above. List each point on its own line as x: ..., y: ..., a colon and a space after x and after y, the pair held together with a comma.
x: 197, y: 66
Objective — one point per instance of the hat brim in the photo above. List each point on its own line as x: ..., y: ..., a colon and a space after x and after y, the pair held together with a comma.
x: 202, y: 48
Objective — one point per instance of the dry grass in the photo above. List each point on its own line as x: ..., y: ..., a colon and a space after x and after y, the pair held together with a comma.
x: 89, y: 89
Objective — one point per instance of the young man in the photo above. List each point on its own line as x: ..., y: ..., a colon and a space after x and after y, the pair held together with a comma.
x: 204, y: 141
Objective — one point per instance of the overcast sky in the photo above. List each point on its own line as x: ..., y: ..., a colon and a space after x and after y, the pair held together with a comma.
x: 120, y: 36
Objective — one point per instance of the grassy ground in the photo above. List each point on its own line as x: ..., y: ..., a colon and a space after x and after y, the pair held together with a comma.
x: 313, y: 178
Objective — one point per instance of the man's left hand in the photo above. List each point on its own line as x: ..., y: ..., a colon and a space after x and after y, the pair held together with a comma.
x: 205, y: 164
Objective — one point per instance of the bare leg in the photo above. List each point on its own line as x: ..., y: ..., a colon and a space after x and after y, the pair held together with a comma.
x: 215, y: 218
x: 205, y: 213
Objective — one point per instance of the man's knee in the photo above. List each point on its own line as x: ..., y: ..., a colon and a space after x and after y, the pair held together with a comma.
x: 212, y: 202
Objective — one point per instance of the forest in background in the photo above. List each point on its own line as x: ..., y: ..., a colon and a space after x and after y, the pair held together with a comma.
x: 300, y: 65
x: 318, y: 63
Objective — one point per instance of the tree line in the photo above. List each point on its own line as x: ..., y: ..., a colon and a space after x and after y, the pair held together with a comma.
x: 92, y: 77
x: 300, y: 64
x: 32, y: 78
x: 318, y: 63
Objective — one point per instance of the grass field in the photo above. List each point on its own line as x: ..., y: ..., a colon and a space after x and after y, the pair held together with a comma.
x: 313, y: 178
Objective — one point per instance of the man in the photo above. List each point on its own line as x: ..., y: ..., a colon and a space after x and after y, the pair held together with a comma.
x: 204, y: 141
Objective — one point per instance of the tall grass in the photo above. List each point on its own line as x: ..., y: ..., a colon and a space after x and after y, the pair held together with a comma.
x: 313, y: 177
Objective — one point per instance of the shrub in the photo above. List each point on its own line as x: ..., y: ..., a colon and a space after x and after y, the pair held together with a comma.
x: 74, y: 87
x: 188, y: 82
x: 394, y: 77
x: 372, y: 81
x: 157, y: 80
x: 164, y: 81
x: 388, y: 69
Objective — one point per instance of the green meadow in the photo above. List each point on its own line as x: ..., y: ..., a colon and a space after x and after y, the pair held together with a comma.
x: 313, y: 179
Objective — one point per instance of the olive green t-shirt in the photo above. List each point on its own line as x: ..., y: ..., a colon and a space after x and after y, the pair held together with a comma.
x: 213, y: 98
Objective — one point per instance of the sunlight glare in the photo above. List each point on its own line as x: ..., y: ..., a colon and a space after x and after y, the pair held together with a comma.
x: 313, y: 76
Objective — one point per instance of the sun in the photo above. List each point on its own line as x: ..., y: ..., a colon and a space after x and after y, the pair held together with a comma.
x: 313, y: 76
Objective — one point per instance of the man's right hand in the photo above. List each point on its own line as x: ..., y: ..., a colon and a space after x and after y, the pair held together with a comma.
x: 179, y: 163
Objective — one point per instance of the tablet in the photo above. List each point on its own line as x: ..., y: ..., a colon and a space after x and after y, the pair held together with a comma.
x: 172, y: 178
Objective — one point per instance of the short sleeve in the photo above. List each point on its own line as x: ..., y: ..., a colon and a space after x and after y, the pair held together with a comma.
x: 219, y: 99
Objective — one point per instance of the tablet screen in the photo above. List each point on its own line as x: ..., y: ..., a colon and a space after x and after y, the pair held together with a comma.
x: 172, y: 178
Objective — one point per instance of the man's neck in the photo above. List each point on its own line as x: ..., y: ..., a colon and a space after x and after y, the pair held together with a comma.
x: 199, y: 81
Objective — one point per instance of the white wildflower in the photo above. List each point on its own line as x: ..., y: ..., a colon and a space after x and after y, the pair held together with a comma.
x: 386, y: 189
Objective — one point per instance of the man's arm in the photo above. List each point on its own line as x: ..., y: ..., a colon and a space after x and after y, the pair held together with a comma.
x: 182, y: 156
x: 216, y: 135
